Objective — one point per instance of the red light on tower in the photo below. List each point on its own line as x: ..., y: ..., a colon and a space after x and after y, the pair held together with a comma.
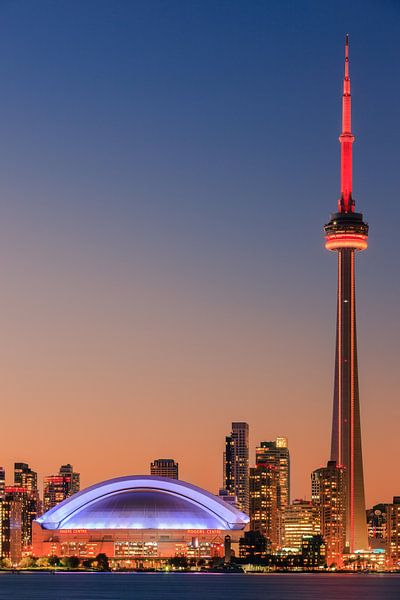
x: 346, y: 202
x: 346, y: 228
x: 346, y: 240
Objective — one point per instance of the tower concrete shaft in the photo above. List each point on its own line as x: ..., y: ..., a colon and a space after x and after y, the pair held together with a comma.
x: 347, y: 233
x: 346, y: 428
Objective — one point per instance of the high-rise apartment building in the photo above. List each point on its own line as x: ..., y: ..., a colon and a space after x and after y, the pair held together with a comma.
x: 1, y: 526
x: 25, y: 477
x: 328, y: 490
x: 377, y: 525
x: 165, y: 467
x: 276, y: 454
x: 57, y: 488
x: 300, y: 521
x: 2, y: 481
x: 263, y: 507
x: 393, y: 533
x: 236, y: 464
x: 14, y: 529
x: 2, y: 494
x: 347, y: 233
x: 228, y: 475
x: 74, y: 478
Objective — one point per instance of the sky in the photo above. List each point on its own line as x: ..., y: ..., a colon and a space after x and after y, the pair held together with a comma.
x: 166, y: 169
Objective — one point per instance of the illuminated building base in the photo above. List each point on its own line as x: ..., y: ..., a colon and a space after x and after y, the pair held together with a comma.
x: 128, y: 544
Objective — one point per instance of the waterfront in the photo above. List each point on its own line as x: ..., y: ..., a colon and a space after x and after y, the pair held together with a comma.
x: 168, y: 586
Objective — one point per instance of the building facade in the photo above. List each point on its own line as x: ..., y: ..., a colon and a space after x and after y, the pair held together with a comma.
x: 276, y: 454
x: 228, y: 474
x: 165, y: 467
x: 300, y: 520
x: 263, y: 507
x: 236, y: 464
x: 139, y: 520
x: 12, y: 526
x: 57, y: 488
x: 393, y: 533
x: 2, y: 482
x: 328, y: 489
x: 347, y: 233
x: 26, y: 479
x: 72, y: 477
x: 1, y: 526
x: 377, y: 525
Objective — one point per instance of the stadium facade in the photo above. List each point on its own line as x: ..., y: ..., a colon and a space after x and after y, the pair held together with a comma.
x: 139, y: 518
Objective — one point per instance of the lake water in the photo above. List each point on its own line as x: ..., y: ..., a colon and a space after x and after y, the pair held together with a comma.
x: 169, y: 586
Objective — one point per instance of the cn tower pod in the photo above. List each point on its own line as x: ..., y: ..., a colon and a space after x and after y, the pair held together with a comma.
x: 346, y: 230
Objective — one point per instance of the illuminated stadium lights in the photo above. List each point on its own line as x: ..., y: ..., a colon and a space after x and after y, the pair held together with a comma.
x: 128, y: 501
x: 137, y: 514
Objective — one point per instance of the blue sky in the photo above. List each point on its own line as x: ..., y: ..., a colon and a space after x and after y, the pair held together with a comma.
x: 165, y: 172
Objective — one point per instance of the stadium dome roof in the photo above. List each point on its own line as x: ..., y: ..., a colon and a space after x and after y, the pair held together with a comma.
x: 143, y: 502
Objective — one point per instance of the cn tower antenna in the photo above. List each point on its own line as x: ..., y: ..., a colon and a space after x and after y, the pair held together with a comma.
x: 346, y: 202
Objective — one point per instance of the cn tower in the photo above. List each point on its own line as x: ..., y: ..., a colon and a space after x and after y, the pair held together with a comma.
x: 347, y: 233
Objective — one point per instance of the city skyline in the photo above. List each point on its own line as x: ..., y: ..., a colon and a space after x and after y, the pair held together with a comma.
x: 160, y: 249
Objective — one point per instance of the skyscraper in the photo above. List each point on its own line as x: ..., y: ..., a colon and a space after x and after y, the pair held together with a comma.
x: 25, y: 479
x: 277, y: 454
x: 301, y: 520
x: 347, y: 233
x: 16, y: 526
x: 228, y: 466
x: 263, y: 502
x: 1, y: 525
x: 236, y: 464
x: 57, y: 488
x: 2, y: 481
x: 393, y: 533
x: 328, y: 492
x: 377, y: 525
x: 74, y: 478
x: 165, y: 467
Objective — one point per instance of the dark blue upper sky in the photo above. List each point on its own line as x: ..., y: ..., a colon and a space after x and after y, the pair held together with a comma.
x: 166, y: 168
x: 218, y: 114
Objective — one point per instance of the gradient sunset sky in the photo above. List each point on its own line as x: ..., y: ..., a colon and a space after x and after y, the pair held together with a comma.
x: 166, y: 169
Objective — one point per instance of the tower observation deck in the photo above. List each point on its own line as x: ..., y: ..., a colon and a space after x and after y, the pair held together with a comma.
x: 347, y: 233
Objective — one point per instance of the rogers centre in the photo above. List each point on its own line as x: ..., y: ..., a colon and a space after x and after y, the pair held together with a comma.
x: 138, y: 517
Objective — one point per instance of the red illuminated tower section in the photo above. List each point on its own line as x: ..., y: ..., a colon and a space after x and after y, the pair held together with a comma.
x: 346, y: 233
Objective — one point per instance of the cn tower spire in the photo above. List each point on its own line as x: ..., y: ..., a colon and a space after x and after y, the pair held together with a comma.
x: 346, y: 202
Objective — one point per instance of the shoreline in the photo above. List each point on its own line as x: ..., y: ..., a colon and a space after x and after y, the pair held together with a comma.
x: 177, y: 572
